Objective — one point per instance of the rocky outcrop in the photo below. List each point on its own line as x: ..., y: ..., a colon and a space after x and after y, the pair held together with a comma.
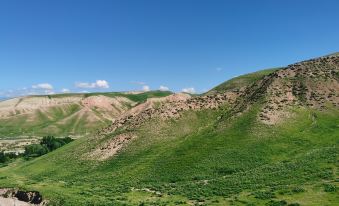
x: 168, y: 107
x: 313, y: 83
x: 19, y: 197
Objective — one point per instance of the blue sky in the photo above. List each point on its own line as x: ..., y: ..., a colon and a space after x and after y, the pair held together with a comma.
x: 48, y: 46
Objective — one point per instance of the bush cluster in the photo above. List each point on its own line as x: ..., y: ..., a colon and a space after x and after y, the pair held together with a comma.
x: 47, y: 144
x: 5, y: 157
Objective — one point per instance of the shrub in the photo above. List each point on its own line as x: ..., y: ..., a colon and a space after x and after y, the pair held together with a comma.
x: 263, y: 195
x: 35, y: 150
x: 53, y: 143
x: 294, y: 204
x: 277, y: 203
x: 298, y: 190
x: 330, y: 188
x: 3, y: 157
x: 47, y: 144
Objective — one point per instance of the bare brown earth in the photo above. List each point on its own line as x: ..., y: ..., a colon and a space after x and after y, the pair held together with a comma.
x: 112, y: 147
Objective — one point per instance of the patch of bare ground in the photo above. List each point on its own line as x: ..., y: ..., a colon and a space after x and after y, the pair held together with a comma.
x: 111, y: 147
x: 15, y: 197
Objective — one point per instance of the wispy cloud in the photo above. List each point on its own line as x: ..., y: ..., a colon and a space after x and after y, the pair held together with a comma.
x: 146, y: 88
x: 219, y: 69
x: 163, y: 88
x: 190, y: 90
x: 103, y: 84
x: 45, y: 86
x: 64, y: 90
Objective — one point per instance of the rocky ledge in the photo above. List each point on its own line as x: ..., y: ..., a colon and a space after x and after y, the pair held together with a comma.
x: 9, y: 197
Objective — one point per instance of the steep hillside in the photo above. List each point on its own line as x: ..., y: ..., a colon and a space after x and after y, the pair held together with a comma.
x: 65, y: 114
x: 272, y: 142
x: 241, y: 81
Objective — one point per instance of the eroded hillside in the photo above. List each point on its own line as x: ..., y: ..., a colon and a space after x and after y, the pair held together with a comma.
x: 68, y: 114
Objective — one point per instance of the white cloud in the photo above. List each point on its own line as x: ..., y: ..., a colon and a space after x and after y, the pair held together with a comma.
x: 190, y: 90
x: 64, y: 90
x: 45, y: 86
x: 218, y: 69
x: 146, y: 88
x: 102, y: 84
x: 98, y: 84
x: 163, y: 88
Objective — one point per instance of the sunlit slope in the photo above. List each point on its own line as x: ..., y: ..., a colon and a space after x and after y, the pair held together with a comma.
x: 241, y: 81
x: 197, y: 158
x: 65, y: 114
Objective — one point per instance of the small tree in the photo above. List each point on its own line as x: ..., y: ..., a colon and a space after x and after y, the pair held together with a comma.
x: 35, y: 150
x: 3, y: 157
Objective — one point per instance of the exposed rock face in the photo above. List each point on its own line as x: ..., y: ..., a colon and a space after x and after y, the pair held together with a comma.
x: 19, y: 197
x: 31, y: 197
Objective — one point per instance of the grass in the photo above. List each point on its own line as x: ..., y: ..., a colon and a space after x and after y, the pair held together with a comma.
x: 197, y: 159
x: 139, y: 98
x: 241, y: 81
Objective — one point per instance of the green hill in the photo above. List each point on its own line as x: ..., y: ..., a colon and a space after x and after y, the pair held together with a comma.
x: 275, y: 144
x: 241, y: 81
x: 66, y: 114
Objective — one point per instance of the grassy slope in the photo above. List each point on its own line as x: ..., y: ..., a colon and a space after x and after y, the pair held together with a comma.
x: 50, y: 122
x: 197, y: 159
x: 241, y: 81
x: 139, y: 98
